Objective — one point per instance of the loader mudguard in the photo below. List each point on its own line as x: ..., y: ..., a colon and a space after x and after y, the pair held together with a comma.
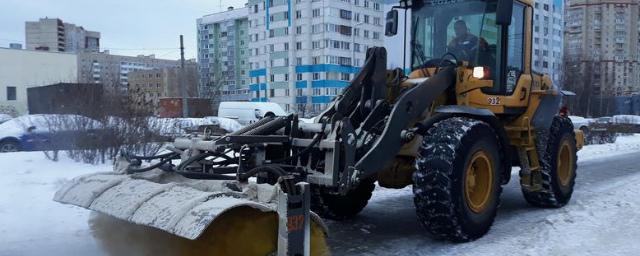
x: 547, y: 110
x: 485, y: 115
x: 406, y: 109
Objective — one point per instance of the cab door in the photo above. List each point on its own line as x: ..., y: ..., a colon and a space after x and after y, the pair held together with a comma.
x: 511, y: 88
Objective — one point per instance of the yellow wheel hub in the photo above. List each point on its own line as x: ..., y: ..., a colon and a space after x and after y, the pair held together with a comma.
x: 478, y: 184
x: 565, y: 164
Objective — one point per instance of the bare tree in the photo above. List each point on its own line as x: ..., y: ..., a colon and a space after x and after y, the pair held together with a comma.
x: 99, y: 135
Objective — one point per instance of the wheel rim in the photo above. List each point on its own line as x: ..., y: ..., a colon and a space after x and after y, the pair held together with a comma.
x: 479, y: 181
x: 8, y: 147
x: 565, y: 164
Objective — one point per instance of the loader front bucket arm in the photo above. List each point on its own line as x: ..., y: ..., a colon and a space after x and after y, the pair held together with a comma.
x: 364, y: 109
x: 408, y: 108
x: 366, y: 90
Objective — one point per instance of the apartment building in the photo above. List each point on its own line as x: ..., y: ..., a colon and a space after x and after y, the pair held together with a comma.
x: 51, y: 34
x: 602, y: 51
x: 146, y: 87
x: 302, y: 53
x: 548, y: 34
x: 113, y: 70
x: 223, y: 49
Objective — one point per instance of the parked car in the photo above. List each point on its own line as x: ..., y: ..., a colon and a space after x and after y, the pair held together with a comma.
x: 4, y: 118
x: 581, y: 123
x: 249, y: 112
x: 602, y: 130
x: 46, y: 132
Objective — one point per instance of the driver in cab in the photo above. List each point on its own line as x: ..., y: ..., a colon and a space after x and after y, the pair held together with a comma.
x: 464, y: 44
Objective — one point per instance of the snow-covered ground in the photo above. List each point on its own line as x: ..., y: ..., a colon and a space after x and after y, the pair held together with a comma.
x: 623, y: 145
x: 604, y: 223
x: 29, y: 219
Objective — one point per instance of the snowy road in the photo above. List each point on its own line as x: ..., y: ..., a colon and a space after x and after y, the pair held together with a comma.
x: 602, y: 219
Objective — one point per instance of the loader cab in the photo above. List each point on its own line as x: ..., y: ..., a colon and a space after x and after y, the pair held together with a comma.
x: 488, y: 39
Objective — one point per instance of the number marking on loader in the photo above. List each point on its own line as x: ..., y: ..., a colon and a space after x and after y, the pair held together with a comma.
x: 295, y: 223
x: 494, y: 100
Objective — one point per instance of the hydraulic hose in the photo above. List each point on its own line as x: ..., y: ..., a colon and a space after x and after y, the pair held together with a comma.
x: 253, y: 126
x: 169, y: 157
x: 269, y: 127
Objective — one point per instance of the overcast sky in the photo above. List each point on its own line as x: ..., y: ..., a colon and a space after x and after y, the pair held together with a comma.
x: 127, y: 27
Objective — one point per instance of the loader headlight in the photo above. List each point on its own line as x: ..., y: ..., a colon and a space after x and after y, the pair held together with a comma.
x: 481, y: 72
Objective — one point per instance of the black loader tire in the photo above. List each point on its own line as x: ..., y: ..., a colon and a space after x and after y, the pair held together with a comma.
x: 443, y: 189
x: 341, y: 207
x: 558, y: 176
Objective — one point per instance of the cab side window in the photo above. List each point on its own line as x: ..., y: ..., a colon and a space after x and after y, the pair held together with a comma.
x: 515, y: 52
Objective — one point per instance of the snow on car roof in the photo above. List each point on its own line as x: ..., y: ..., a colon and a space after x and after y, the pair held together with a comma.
x: 16, y: 127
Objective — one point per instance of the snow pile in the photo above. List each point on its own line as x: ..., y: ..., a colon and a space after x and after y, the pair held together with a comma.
x: 16, y: 127
x: 225, y: 123
x: 626, y: 119
x: 177, y: 126
x: 623, y: 145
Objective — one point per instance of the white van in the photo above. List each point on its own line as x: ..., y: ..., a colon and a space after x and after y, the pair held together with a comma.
x: 249, y: 112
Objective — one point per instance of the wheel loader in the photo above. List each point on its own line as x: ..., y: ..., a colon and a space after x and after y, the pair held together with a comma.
x: 452, y: 125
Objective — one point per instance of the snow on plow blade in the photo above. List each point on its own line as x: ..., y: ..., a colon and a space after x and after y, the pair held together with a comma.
x: 166, y: 201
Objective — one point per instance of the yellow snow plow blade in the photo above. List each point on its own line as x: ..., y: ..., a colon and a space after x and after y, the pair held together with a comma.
x: 210, y: 217
x: 231, y: 234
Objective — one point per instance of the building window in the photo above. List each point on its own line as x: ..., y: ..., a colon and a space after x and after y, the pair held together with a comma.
x: 11, y: 93
x: 345, y: 14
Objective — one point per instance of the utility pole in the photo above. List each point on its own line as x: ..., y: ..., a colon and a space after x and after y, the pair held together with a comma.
x: 183, y: 84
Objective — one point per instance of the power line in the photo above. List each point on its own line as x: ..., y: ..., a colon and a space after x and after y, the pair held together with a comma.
x: 139, y: 49
x: 167, y: 53
x: 12, y: 40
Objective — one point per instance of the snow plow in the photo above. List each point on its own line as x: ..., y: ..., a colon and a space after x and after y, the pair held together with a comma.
x: 470, y: 110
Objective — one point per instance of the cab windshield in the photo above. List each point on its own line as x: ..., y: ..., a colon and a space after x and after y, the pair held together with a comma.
x: 455, y: 30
